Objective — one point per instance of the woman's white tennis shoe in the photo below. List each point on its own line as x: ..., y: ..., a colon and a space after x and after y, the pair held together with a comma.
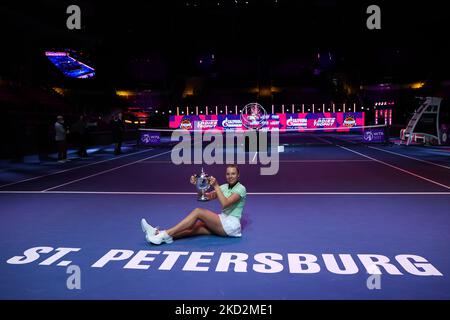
x: 159, y: 238
x: 147, y: 228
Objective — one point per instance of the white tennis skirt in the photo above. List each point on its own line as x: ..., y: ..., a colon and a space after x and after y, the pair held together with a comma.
x: 231, y: 225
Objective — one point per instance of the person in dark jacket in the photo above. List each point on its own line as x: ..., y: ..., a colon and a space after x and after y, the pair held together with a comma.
x: 80, y: 129
x: 60, y: 138
x: 386, y: 135
x: 118, y: 129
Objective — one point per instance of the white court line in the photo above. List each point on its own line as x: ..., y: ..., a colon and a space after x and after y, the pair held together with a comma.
x: 323, y: 140
x: 105, y: 171
x: 327, y: 160
x: 398, y: 154
x: 409, y: 157
x: 70, y: 169
x: 351, y: 193
x: 400, y: 169
x: 348, y: 141
x: 151, y: 193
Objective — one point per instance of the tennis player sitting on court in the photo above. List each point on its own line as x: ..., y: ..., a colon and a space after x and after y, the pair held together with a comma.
x: 200, y: 221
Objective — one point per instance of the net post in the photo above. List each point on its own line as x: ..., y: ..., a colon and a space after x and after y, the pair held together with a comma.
x: 138, y: 138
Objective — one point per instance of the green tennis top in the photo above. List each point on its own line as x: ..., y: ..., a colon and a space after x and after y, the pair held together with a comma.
x: 234, y: 210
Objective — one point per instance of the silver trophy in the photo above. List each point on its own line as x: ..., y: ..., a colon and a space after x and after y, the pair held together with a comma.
x: 202, y: 185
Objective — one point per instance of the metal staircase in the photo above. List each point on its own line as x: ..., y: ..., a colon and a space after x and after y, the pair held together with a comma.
x: 430, y: 105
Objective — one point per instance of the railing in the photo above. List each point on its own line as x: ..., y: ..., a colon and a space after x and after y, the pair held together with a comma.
x: 279, y: 108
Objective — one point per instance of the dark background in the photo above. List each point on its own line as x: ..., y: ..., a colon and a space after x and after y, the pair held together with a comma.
x: 198, y: 52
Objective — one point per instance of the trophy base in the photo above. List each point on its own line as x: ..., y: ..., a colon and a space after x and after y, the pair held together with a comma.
x: 203, y: 199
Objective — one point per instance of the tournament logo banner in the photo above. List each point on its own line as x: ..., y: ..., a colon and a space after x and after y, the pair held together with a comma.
x: 205, y: 124
x: 334, y: 121
x: 149, y: 138
x: 373, y: 135
x: 349, y: 122
x: 331, y: 121
x: 230, y: 122
x: 273, y: 122
x: 193, y: 122
x: 296, y: 123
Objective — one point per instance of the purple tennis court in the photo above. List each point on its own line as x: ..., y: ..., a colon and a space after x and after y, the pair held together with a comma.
x: 224, y: 150
x: 319, y: 229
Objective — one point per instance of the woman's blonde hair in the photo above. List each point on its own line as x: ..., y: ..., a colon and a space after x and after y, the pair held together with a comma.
x: 233, y: 166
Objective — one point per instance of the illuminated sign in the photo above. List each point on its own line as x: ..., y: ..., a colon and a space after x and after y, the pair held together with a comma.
x: 70, y: 66
x: 338, y: 121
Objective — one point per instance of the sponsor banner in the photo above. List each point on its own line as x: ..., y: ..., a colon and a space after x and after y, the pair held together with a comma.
x: 231, y: 122
x: 205, y: 124
x: 273, y: 122
x: 296, y: 123
x: 335, y: 121
x: 373, y: 135
x: 149, y: 138
x: 191, y: 122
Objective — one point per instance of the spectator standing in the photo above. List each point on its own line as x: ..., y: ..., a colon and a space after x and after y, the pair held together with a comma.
x: 80, y: 129
x: 61, y: 139
x: 118, y: 129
